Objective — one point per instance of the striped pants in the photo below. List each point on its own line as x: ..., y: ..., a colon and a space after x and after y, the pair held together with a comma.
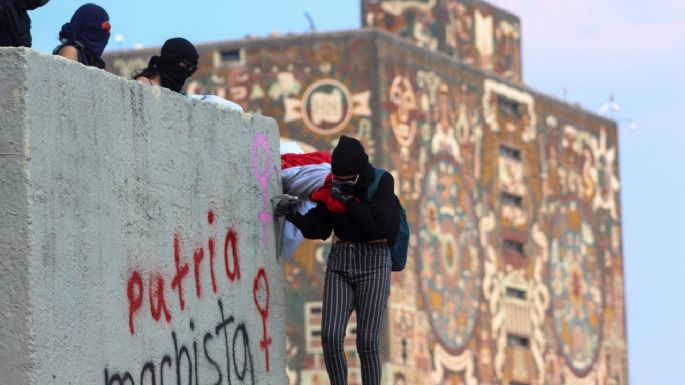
x: 357, y: 278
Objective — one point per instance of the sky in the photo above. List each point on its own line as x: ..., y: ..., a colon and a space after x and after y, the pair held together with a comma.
x: 582, y: 51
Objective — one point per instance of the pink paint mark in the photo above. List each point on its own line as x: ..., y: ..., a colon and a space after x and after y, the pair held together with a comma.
x: 261, y: 147
x: 261, y: 283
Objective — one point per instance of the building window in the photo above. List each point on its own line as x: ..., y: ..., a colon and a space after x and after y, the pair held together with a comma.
x: 510, y: 152
x: 509, y: 107
x: 515, y: 341
x: 510, y: 244
x: 229, y: 57
x: 511, y: 199
x: 513, y: 292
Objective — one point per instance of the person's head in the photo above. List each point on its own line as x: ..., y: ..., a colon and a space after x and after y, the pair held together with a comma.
x: 350, y: 165
x: 32, y: 4
x: 176, y: 63
x: 89, y: 27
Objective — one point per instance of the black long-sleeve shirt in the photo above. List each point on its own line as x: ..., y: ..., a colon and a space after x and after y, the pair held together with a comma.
x: 363, y: 222
x: 15, y: 25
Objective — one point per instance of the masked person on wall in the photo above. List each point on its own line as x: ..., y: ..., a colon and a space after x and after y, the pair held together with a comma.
x: 85, y: 37
x: 176, y: 63
x: 359, y: 264
x: 15, y: 23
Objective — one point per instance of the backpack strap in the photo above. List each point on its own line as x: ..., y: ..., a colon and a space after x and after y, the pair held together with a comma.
x: 374, y: 184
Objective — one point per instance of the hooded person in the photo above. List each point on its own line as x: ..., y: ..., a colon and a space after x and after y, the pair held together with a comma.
x: 349, y: 162
x: 15, y: 23
x: 359, y: 263
x: 85, y: 37
x: 176, y: 63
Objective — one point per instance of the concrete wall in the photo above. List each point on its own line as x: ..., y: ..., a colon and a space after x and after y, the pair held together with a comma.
x: 136, y: 239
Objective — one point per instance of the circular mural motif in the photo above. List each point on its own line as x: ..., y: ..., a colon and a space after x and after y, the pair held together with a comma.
x: 576, y: 285
x: 326, y: 106
x: 449, y: 265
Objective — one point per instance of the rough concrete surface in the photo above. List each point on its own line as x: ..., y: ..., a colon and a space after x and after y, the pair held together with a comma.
x: 136, y: 240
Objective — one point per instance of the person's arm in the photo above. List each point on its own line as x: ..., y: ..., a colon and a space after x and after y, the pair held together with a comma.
x: 315, y: 224
x: 379, y: 219
x: 69, y: 52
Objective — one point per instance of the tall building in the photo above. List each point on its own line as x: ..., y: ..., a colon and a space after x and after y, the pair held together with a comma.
x: 515, y: 269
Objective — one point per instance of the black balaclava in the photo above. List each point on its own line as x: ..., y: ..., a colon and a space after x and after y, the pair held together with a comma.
x: 175, y: 51
x: 349, y: 158
x: 88, y: 30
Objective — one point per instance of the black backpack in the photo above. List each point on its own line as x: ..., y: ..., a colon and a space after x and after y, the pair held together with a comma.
x: 398, y: 251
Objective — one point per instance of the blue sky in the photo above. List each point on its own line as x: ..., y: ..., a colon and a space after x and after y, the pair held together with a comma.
x: 593, y: 49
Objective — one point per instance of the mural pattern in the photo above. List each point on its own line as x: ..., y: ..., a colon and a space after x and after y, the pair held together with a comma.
x: 515, y: 267
x: 450, y: 262
x: 470, y: 31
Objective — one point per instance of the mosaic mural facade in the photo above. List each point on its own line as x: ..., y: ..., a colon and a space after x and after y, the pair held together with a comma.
x: 515, y: 272
x: 470, y: 31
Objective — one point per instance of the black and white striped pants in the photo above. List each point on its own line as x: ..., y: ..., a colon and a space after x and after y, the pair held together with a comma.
x: 357, y: 278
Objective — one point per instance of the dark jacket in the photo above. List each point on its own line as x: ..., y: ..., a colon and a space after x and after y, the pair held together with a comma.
x: 15, y: 25
x: 363, y: 222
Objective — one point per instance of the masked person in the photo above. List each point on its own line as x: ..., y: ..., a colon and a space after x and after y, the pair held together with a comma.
x: 359, y: 263
x: 85, y: 37
x: 15, y: 23
x: 176, y: 63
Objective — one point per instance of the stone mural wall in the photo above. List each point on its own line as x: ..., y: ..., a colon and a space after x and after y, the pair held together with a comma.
x: 470, y: 31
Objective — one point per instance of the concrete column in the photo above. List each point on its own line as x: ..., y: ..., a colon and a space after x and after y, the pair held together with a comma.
x: 136, y: 237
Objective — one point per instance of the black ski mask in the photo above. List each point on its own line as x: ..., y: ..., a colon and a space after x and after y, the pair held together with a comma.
x: 177, y: 62
x: 348, y: 159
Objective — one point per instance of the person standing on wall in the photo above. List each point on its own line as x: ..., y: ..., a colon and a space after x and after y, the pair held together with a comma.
x: 84, y: 38
x: 359, y: 264
x: 15, y: 23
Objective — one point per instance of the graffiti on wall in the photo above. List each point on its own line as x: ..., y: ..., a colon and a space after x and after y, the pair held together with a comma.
x: 203, y: 347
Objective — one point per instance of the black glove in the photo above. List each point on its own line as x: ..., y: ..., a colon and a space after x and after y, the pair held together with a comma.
x: 283, y: 209
x: 338, y: 193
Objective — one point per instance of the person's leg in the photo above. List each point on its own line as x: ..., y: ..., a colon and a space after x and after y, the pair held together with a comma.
x: 338, y: 300
x: 371, y: 291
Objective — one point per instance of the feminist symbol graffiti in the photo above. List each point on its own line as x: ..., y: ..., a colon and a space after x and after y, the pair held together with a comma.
x: 262, y: 174
x: 260, y: 292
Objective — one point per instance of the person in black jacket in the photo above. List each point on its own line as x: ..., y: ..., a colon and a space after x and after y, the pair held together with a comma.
x: 358, y: 268
x: 15, y: 23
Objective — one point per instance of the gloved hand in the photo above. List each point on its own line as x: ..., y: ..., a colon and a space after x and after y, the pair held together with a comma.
x: 338, y: 193
x: 284, y: 209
